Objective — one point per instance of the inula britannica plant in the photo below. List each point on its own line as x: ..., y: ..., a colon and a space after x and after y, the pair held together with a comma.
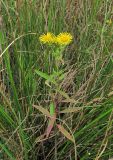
x: 57, y: 44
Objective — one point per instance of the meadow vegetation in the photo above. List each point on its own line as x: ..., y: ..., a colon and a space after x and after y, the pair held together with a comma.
x: 72, y: 84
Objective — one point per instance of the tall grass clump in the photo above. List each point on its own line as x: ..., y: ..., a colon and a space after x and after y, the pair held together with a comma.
x: 56, y: 94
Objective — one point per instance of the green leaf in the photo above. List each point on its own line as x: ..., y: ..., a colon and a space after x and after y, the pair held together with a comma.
x: 2, y: 41
x: 7, y: 151
x: 52, y: 109
x: 46, y: 76
x: 4, y: 116
x: 12, y: 82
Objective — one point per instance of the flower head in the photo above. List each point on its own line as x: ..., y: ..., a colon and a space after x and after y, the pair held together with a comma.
x: 47, y: 38
x: 64, y: 38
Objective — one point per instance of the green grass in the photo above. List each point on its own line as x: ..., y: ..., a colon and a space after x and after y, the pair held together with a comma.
x: 88, y: 80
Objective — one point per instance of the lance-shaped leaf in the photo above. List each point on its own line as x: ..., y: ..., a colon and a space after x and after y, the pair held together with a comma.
x: 65, y: 132
x: 65, y: 95
x: 71, y: 109
x: 51, y: 120
x: 50, y: 125
x: 43, y: 110
x: 46, y: 77
x: 52, y: 109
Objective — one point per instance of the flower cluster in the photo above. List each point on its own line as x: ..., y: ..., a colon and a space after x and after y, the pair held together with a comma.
x: 61, y: 39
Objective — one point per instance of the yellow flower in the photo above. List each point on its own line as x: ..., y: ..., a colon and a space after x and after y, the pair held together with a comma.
x: 47, y: 38
x: 64, y: 38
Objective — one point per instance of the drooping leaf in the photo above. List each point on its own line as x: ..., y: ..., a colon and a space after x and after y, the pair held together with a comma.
x: 43, y: 110
x: 65, y: 132
x: 65, y: 95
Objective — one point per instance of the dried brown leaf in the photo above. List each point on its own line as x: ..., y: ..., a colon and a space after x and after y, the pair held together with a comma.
x: 71, y: 110
x: 110, y: 94
x: 40, y: 138
x: 65, y: 132
x: 50, y: 125
x: 43, y: 110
